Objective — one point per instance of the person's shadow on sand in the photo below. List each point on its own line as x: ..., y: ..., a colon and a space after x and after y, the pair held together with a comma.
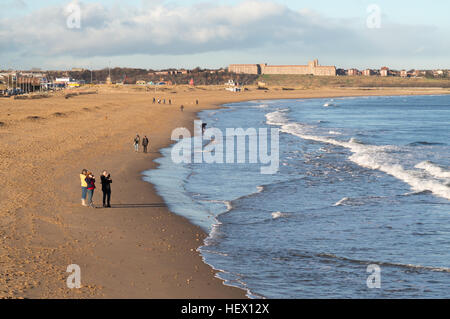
x: 138, y: 205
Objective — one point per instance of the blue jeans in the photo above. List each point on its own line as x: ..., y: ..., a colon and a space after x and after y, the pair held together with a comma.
x: 83, y: 192
x: 136, y: 147
x: 90, y: 193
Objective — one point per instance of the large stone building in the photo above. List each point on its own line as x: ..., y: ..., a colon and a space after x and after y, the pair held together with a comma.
x: 313, y: 68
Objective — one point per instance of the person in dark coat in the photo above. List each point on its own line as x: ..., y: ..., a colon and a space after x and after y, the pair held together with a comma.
x: 106, y: 189
x: 145, y: 143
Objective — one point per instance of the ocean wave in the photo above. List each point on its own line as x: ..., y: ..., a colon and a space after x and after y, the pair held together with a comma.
x: 349, y: 201
x: 434, y: 169
x: 369, y: 156
x: 276, y: 215
x: 385, y: 263
x: 417, y: 193
x: 277, y: 117
x: 334, y: 133
x: 260, y: 106
x: 355, y: 141
x: 424, y: 144
x: 226, y: 203
x: 342, y: 201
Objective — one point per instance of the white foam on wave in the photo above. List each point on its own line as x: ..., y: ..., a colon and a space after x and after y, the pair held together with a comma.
x: 369, y: 156
x: 226, y: 203
x: 342, y: 201
x: 434, y: 169
x: 277, y: 215
x: 261, y: 106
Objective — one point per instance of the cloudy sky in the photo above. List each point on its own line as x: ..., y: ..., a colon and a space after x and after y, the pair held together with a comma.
x: 214, y: 33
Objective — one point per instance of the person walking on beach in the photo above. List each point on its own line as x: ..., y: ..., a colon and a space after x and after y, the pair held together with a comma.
x: 137, y: 140
x: 154, y: 100
x: 196, y: 102
x: 83, y: 187
x: 170, y: 102
x: 106, y: 189
x: 90, y: 181
x: 145, y: 143
x: 182, y: 107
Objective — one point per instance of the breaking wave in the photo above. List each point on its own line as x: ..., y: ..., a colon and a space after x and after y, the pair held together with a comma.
x: 370, y: 156
x: 434, y: 169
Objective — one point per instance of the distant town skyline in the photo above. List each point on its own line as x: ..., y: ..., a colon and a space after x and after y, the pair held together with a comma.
x: 156, y: 34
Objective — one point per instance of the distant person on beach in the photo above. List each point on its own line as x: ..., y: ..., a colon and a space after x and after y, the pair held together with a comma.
x: 90, y: 181
x: 106, y: 189
x: 164, y: 101
x: 83, y: 187
x: 145, y: 143
x: 170, y: 102
x: 196, y: 102
x: 137, y: 140
x: 154, y: 100
x: 182, y: 108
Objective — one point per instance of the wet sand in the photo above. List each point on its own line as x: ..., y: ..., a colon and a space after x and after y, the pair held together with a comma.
x: 138, y: 248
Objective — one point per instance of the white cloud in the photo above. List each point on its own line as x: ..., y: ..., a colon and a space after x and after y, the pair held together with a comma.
x: 157, y: 28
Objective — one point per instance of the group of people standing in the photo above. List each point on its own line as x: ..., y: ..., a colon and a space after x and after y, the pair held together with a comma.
x: 137, y: 141
x: 163, y: 101
x: 88, y: 187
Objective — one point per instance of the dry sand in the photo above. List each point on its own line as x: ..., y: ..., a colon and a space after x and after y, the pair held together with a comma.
x: 137, y: 249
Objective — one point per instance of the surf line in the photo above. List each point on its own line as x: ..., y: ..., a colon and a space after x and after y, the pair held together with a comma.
x: 229, y: 148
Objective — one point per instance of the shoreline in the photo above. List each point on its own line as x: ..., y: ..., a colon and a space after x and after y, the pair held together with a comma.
x: 249, y: 293
x: 139, y: 249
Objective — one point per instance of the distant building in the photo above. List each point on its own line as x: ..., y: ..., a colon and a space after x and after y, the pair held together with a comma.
x: 77, y: 70
x: 313, y: 68
x: 245, y: 68
x: 403, y: 73
x: 352, y: 72
x: 368, y: 72
x: 414, y: 73
x: 384, y: 71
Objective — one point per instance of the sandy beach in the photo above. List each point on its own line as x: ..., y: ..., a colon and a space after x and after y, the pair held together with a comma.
x: 136, y: 249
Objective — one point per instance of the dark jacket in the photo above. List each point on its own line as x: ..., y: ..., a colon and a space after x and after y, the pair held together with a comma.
x: 90, y: 183
x: 106, y: 183
x: 145, y: 141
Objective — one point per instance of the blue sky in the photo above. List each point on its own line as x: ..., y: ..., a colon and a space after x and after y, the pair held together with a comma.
x: 159, y: 34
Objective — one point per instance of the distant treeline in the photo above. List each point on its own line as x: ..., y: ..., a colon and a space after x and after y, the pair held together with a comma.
x: 131, y: 76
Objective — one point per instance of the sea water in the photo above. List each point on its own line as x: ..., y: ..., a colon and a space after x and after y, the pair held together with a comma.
x: 364, y: 181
